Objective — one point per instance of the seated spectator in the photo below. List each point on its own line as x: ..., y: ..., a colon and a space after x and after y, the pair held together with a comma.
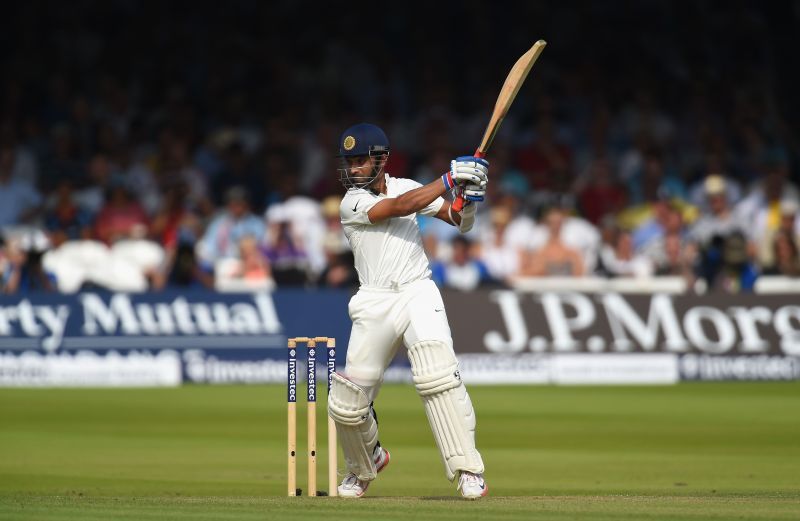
x: 290, y: 263
x: 175, y: 221
x: 652, y: 236
x: 463, y: 272
x: 19, y: 200
x: 554, y: 258
x: 546, y: 160
x: 495, y: 249
x: 678, y: 258
x: 601, y: 195
x: 66, y: 220
x: 785, y: 253
x: 721, y: 184
x: 618, y: 258
x: 62, y: 161
x: 227, y: 228
x: 237, y: 170
x: 122, y: 217
x: 761, y: 210
x: 171, y: 162
x: 576, y: 233
x: 334, y: 239
x: 733, y: 272
x: 249, y: 271
x: 183, y: 270
x: 788, y: 223
x: 718, y: 220
x: 91, y: 194
x: 340, y: 271
x: 23, y: 270
x: 305, y: 219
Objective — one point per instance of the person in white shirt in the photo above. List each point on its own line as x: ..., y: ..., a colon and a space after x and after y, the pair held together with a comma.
x: 397, y: 302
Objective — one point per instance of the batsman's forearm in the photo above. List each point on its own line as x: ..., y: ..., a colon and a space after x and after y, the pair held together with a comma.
x: 418, y: 198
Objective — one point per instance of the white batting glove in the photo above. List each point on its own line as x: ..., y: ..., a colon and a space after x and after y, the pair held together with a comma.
x: 467, y: 170
x: 475, y: 193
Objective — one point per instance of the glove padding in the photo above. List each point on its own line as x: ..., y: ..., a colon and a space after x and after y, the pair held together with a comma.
x: 475, y: 193
x: 470, y: 170
x: 467, y: 217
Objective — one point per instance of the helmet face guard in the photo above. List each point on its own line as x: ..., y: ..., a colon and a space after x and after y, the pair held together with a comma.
x: 363, y: 151
x: 362, y: 176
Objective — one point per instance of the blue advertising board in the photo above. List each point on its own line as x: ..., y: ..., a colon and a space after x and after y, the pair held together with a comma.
x: 213, y: 337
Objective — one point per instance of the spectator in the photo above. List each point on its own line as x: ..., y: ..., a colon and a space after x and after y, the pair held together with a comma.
x: 463, y: 272
x: 649, y: 239
x: 19, y: 201
x: 305, y: 223
x: 501, y: 257
x: 175, y: 222
x: 23, y: 268
x: 677, y: 260
x: 227, y: 228
x: 761, y: 209
x: 554, y: 258
x: 66, y: 220
x: 718, y: 220
x: 735, y: 272
x: 237, y: 170
x: 122, y: 217
x: 546, y: 160
x: 250, y: 270
x: 92, y: 194
x: 340, y: 271
x: 184, y: 271
x: 63, y: 161
x: 576, y: 233
x: 289, y: 261
x: 618, y: 258
x: 785, y: 253
x: 700, y: 197
x: 601, y: 195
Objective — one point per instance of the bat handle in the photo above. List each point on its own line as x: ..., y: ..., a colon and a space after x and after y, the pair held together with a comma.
x: 458, y: 202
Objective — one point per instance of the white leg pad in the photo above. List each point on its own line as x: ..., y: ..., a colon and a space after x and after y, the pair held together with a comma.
x: 447, y: 404
x: 349, y: 407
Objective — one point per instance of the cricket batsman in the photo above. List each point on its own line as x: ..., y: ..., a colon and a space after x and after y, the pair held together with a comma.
x: 397, y: 302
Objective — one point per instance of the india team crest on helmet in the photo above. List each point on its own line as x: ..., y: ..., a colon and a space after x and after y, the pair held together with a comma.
x: 349, y: 143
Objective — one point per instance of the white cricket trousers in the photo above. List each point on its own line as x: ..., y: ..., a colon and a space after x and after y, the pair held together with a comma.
x: 382, y: 318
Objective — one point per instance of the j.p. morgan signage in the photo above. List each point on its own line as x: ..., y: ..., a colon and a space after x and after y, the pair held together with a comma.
x: 611, y: 337
x: 513, y: 322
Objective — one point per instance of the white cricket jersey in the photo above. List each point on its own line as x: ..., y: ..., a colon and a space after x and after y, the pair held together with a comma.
x: 388, y: 254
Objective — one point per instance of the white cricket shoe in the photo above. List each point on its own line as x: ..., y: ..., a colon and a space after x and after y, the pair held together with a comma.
x: 353, y: 487
x: 472, y: 486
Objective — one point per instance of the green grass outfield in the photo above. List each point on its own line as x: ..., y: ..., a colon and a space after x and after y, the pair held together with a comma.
x: 692, y: 451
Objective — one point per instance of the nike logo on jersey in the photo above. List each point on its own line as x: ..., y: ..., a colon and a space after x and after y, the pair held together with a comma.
x: 356, y: 206
x: 438, y: 310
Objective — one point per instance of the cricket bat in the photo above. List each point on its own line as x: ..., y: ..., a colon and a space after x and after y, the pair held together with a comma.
x: 514, y: 80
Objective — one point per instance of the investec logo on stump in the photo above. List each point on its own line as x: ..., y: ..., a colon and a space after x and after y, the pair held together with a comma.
x: 120, y: 323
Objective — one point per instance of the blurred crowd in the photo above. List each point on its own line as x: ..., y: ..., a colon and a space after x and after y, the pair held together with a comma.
x: 177, y: 160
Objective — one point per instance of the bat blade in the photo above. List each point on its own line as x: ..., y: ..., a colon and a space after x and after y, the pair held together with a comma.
x: 514, y: 80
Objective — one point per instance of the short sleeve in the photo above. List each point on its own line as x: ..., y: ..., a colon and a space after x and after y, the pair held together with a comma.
x: 355, y: 206
x: 429, y: 211
x: 432, y: 209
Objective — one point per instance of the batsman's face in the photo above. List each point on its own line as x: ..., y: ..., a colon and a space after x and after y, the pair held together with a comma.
x: 359, y: 165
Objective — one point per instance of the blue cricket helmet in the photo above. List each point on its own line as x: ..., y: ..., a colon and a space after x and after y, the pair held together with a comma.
x: 364, y: 139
